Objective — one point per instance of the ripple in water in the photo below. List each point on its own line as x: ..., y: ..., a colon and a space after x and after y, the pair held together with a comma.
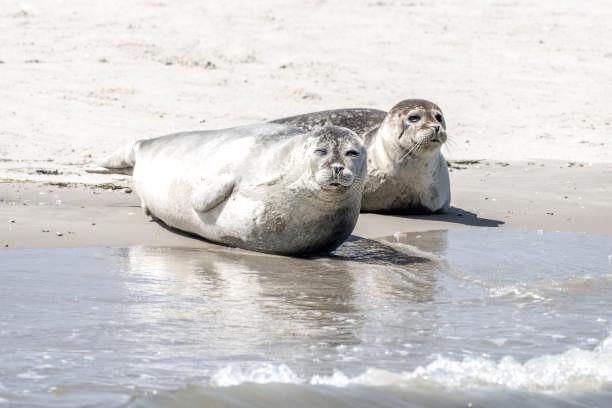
x: 481, y: 317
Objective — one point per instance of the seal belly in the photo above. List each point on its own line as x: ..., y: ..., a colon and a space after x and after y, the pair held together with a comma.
x: 393, y: 196
x: 233, y: 222
x: 264, y: 225
x: 164, y: 194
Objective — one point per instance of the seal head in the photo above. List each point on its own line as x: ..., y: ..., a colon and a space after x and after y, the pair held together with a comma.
x: 413, y: 128
x: 337, y: 158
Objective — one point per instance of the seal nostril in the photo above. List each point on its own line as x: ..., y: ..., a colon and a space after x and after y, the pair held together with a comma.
x: 436, y: 128
x: 337, y: 170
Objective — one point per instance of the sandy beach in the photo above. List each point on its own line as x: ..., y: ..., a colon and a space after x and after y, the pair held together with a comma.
x: 551, y: 196
x: 505, y: 301
x: 520, y: 83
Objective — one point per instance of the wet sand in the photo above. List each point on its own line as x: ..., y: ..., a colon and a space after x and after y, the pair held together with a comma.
x: 549, y: 196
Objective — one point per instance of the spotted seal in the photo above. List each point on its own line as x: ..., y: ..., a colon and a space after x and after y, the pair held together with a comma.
x: 407, y: 172
x: 267, y: 187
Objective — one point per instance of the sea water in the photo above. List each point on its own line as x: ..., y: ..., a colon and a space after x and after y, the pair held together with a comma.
x: 473, y: 317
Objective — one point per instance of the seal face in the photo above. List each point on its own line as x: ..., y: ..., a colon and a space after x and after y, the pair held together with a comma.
x: 407, y: 173
x: 336, y: 157
x: 419, y: 126
x: 269, y: 188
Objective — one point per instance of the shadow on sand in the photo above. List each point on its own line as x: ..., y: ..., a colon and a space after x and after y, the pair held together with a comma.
x: 457, y: 216
x: 355, y: 249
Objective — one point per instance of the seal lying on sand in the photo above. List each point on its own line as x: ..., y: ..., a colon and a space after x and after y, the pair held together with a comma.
x: 407, y: 173
x: 270, y: 188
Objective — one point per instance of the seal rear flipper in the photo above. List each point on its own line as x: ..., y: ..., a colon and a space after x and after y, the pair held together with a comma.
x: 208, y: 194
x: 122, y: 159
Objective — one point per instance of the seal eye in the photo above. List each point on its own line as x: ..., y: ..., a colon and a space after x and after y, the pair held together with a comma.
x: 414, y: 118
x: 439, y: 118
x: 352, y: 153
x: 320, y: 152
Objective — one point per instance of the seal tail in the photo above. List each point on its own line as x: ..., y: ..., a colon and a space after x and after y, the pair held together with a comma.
x: 122, y: 159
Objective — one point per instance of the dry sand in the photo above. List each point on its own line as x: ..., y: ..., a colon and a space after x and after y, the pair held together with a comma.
x: 525, y: 83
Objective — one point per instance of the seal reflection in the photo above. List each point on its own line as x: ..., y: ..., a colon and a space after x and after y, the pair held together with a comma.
x: 240, y: 303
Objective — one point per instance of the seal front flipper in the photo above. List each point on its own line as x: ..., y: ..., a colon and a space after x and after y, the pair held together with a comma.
x: 209, y: 193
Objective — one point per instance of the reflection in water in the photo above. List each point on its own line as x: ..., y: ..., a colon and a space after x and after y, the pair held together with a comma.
x: 109, y: 326
x: 247, y: 303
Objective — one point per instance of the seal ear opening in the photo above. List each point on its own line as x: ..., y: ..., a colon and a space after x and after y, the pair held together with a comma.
x: 122, y: 159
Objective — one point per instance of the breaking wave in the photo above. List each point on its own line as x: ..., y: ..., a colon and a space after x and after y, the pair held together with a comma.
x: 573, y: 370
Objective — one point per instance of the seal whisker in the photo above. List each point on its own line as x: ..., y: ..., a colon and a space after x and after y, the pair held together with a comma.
x: 450, y: 144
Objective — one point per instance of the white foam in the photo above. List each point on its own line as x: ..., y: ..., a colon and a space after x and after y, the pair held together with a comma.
x: 545, y: 289
x: 260, y: 374
x: 31, y: 375
x: 516, y: 291
x: 573, y: 370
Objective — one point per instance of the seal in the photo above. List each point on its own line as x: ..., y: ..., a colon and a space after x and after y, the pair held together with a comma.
x: 267, y: 187
x: 407, y: 172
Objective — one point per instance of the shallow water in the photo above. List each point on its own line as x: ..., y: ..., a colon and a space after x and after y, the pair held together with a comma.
x: 473, y: 317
